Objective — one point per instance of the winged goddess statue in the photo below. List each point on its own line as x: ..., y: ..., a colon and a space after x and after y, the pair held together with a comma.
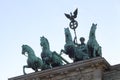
x: 73, y: 24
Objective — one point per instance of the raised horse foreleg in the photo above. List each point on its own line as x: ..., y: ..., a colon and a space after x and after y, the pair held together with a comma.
x: 25, y: 66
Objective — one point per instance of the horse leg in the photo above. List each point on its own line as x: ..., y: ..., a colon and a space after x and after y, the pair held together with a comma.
x: 99, y: 51
x: 25, y: 66
x: 85, y: 56
x: 94, y: 52
x: 36, y: 70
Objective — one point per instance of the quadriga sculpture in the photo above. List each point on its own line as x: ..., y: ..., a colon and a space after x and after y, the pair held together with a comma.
x: 32, y: 62
x: 94, y: 49
x: 71, y: 50
x: 49, y: 58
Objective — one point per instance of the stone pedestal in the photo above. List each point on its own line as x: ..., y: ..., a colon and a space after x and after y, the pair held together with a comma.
x: 91, y: 69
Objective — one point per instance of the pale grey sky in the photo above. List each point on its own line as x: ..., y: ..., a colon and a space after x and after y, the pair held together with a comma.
x: 25, y: 21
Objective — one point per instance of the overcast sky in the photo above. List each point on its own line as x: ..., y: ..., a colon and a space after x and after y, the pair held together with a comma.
x: 25, y: 21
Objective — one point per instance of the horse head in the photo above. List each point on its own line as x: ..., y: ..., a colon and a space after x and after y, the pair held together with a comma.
x: 27, y: 49
x: 68, y: 36
x: 44, y: 42
x: 24, y: 49
x: 94, y: 26
x: 92, y: 30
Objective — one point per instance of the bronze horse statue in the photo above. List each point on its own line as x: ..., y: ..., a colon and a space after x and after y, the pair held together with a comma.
x: 94, y: 49
x: 33, y: 61
x: 71, y: 50
x: 49, y: 58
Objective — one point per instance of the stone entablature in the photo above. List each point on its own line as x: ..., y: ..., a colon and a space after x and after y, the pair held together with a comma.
x: 91, y: 69
x: 113, y: 73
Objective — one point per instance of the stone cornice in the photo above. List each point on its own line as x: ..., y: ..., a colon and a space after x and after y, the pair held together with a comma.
x: 91, y: 64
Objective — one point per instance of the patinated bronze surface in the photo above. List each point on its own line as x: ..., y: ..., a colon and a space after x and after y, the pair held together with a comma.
x: 94, y: 49
x: 72, y: 48
x: 33, y: 61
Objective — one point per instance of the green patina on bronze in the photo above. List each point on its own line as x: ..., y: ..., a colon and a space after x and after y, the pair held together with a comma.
x: 50, y: 58
x: 75, y: 51
x: 71, y: 49
x: 94, y: 49
x: 33, y: 61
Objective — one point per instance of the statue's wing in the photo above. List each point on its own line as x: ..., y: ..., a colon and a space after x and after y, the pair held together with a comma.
x: 75, y: 13
x: 68, y: 16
